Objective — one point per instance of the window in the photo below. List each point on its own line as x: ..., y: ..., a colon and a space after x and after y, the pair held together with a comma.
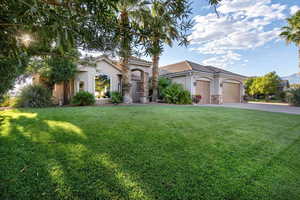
x: 81, y: 85
x: 102, y: 86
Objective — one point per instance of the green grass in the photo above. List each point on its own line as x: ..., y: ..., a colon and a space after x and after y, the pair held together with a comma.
x: 149, y: 152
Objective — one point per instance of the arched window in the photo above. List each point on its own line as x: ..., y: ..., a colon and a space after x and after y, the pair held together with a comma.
x: 102, y: 86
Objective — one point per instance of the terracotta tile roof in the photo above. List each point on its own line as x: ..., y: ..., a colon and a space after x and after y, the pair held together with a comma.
x: 177, y: 67
x: 191, y: 66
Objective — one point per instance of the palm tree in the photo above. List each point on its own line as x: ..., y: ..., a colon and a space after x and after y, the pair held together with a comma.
x: 128, y: 12
x: 291, y: 32
x: 166, y: 22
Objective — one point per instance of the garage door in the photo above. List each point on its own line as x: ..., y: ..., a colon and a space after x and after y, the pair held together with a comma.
x: 203, y: 89
x: 231, y: 93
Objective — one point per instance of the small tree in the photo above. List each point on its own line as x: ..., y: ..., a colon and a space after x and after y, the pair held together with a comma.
x: 248, y: 83
x: 269, y: 84
x: 60, y: 70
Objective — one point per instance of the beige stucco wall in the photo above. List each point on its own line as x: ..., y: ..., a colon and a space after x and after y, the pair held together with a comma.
x: 216, y: 82
x: 185, y: 81
x: 87, y: 75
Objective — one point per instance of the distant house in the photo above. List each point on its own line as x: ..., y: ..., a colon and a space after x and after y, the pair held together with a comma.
x: 292, y: 79
x: 216, y: 86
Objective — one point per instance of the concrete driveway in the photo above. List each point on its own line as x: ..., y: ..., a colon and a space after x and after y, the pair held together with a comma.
x: 281, y: 108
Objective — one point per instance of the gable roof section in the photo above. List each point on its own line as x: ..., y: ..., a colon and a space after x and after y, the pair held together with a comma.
x: 140, y: 62
x: 177, y: 67
x: 87, y: 62
x: 109, y: 61
x: 191, y: 66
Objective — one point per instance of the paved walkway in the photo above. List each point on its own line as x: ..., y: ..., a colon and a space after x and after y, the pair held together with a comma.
x: 261, y: 106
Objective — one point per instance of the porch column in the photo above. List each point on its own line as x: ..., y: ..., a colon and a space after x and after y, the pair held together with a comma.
x: 144, y: 87
x: 216, y: 96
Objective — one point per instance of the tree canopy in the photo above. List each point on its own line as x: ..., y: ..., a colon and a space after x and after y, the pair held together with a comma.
x: 269, y: 84
x: 291, y: 32
x: 40, y: 28
x: 43, y: 28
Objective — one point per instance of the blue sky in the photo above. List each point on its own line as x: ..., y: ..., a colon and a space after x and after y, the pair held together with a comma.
x: 244, y: 39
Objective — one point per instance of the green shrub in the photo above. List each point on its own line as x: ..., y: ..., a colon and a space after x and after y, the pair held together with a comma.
x: 293, y: 96
x: 34, y: 96
x: 175, y: 94
x: 116, y: 97
x: 163, y: 84
x: 83, y: 98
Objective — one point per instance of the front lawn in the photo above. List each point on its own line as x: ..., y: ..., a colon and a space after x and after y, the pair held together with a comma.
x: 149, y: 152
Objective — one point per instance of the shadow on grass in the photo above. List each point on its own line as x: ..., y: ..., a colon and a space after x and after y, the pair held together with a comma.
x: 47, y: 161
x: 54, y: 158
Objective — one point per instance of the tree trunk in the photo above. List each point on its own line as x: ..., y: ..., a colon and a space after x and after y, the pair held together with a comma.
x: 66, y: 93
x: 125, y: 55
x: 155, y: 60
x: 126, y: 82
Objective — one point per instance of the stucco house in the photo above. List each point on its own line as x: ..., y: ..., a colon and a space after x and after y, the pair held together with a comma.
x: 216, y: 86
x: 102, y: 76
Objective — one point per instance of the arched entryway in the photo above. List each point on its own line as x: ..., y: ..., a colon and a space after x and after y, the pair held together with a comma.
x: 139, y: 86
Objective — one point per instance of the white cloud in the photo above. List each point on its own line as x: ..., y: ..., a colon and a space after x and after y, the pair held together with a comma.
x: 242, y: 25
x: 224, y: 60
x: 294, y: 9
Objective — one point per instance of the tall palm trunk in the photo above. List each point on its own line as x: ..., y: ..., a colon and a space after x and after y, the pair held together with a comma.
x: 125, y: 54
x: 125, y: 82
x: 155, y: 60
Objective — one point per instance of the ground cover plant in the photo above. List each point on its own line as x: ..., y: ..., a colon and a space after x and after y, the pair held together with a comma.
x: 149, y: 152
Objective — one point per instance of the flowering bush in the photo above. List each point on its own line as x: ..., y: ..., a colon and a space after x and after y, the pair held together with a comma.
x: 197, y: 98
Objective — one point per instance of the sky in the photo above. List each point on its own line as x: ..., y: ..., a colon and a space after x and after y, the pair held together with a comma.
x: 243, y: 39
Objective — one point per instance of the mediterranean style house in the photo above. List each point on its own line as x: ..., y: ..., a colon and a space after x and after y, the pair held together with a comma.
x: 216, y: 86
x: 102, y: 76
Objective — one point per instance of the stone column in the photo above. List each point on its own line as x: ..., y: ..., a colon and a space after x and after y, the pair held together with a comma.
x: 144, y: 80
x: 216, y: 97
